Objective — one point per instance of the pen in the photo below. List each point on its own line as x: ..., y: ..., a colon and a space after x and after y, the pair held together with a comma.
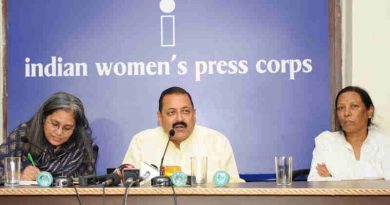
x: 31, y: 159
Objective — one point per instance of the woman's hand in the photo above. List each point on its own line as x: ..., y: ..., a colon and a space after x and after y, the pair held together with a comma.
x: 30, y: 173
x: 322, y: 170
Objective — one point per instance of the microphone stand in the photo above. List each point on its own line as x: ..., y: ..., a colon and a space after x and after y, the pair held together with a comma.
x: 161, y: 180
x: 62, y: 181
x: 129, y: 183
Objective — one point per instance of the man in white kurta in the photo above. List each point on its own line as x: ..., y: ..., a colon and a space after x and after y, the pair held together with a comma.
x: 148, y: 146
x: 176, y: 111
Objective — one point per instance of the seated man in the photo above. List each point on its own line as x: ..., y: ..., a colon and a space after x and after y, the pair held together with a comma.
x: 176, y: 110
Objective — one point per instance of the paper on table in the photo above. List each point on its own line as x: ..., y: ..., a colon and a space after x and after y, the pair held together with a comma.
x: 27, y: 183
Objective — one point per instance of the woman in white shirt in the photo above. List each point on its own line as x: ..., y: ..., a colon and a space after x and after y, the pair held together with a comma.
x: 357, y: 151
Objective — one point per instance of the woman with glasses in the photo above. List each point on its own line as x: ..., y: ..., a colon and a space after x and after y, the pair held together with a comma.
x: 58, y: 138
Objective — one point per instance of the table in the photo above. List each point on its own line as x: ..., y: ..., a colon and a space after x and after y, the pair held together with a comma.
x: 342, y: 192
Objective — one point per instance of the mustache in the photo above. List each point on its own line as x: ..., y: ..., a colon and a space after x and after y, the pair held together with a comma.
x: 179, y: 123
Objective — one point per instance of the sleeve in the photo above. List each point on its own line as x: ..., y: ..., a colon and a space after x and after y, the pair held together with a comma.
x: 133, y: 155
x: 12, y: 146
x: 385, y: 162
x: 319, y: 154
x: 386, y: 165
x: 316, y: 159
x: 3, y: 154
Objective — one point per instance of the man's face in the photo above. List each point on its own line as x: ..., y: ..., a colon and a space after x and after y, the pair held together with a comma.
x: 177, y: 113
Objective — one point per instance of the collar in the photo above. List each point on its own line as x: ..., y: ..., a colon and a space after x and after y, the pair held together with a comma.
x: 185, y: 143
x: 368, y: 142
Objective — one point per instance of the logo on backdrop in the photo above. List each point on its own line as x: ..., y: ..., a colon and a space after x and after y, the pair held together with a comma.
x: 57, y: 66
x: 167, y: 23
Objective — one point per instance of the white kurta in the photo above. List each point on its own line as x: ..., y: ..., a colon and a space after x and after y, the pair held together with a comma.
x: 332, y: 149
x: 148, y: 146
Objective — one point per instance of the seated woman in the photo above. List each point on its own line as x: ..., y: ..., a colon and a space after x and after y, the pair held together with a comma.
x: 58, y: 137
x: 357, y: 151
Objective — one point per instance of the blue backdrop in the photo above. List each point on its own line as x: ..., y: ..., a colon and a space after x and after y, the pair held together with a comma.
x: 258, y: 70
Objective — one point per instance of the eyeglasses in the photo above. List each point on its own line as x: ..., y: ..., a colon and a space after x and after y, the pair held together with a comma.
x: 67, y: 129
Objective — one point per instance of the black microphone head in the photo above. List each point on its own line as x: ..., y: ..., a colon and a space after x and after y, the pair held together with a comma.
x: 171, y: 133
x: 24, y: 139
x: 102, y: 178
x: 116, y: 179
x: 153, y: 165
x: 112, y: 180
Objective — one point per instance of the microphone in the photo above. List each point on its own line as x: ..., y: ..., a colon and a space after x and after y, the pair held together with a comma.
x: 92, y: 179
x: 151, y: 168
x: 145, y: 176
x: 161, y: 180
x: 25, y: 139
x: 113, y: 180
x: 171, y: 134
x: 101, y: 178
x: 130, y: 181
x: 126, y: 166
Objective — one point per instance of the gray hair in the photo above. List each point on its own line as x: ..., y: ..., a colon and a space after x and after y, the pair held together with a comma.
x: 60, y: 101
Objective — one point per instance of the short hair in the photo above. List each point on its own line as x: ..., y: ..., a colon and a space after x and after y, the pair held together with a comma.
x: 60, y: 101
x: 363, y: 95
x: 170, y: 91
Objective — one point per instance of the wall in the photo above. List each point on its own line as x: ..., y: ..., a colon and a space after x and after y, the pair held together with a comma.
x: 254, y: 107
x: 367, y: 64
x: 365, y: 54
x: 1, y: 70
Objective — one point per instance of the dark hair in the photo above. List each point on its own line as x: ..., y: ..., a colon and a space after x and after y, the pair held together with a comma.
x: 60, y: 101
x: 172, y: 90
x: 363, y: 95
